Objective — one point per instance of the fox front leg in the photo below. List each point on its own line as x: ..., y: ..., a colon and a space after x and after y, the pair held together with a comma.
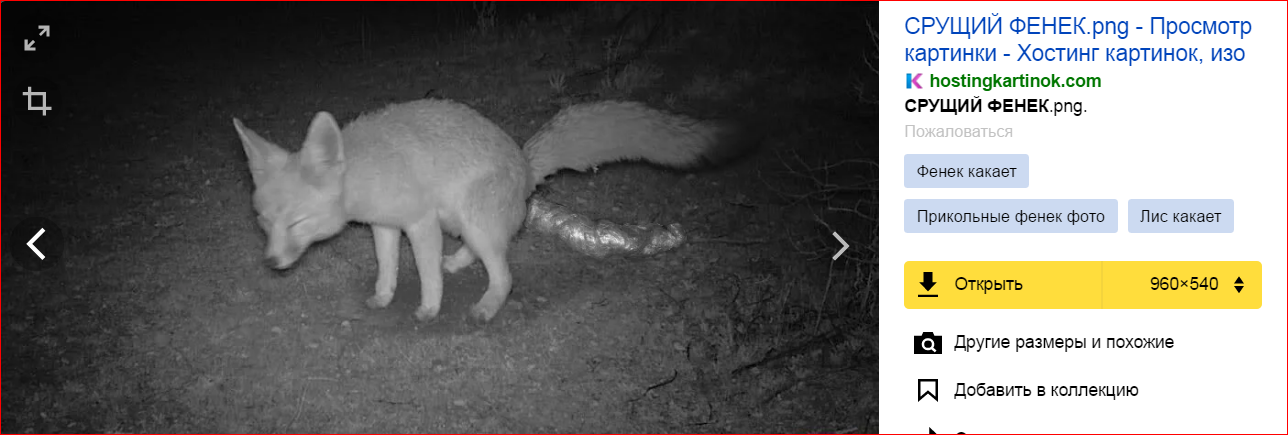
x: 387, y: 239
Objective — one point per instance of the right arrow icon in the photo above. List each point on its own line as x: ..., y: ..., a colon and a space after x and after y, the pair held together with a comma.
x: 1238, y: 285
x: 844, y: 246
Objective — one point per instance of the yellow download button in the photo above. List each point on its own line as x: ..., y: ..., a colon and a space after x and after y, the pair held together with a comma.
x: 1081, y: 284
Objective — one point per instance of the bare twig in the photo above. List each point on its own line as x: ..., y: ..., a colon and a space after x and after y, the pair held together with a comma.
x: 299, y: 409
x: 674, y: 375
x: 799, y: 349
x: 876, y: 42
x: 728, y: 241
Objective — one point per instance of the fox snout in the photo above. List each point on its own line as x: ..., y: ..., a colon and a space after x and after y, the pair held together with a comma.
x: 277, y: 263
x: 281, y: 260
x: 281, y: 252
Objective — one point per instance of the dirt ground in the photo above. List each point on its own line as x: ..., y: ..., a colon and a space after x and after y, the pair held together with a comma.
x: 161, y: 317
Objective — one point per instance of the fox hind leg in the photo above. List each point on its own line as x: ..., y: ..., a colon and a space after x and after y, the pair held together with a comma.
x: 387, y: 239
x: 490, y: 245
x: 427, y: 245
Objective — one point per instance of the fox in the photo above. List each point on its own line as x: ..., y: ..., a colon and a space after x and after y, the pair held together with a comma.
x: 431, y: 167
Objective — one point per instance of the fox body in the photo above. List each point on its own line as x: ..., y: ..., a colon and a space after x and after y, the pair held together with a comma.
x: 432, y: 166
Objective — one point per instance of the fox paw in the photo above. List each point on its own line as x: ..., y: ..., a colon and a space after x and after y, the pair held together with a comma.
x: 455, y: 262
x: 378, y: 301
x: 425, y: 314
x: 482, y: 312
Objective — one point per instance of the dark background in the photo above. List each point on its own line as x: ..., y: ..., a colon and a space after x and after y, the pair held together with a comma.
x: 157, y: 314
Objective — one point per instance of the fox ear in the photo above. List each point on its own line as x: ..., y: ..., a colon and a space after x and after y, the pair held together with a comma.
x: 323, y: 148
x: 264, y: 157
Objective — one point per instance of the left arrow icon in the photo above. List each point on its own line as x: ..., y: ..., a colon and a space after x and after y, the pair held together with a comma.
x: 31, y: 244
x: 36, y: 243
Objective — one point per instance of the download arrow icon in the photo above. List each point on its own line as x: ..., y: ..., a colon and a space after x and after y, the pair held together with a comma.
x: 927, y: 280
x: 31, y: 243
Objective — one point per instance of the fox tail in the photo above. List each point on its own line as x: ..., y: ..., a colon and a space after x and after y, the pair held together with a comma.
x: 583, y: 136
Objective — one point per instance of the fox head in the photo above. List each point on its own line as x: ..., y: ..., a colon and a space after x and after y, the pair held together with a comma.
x: 298, y: 196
